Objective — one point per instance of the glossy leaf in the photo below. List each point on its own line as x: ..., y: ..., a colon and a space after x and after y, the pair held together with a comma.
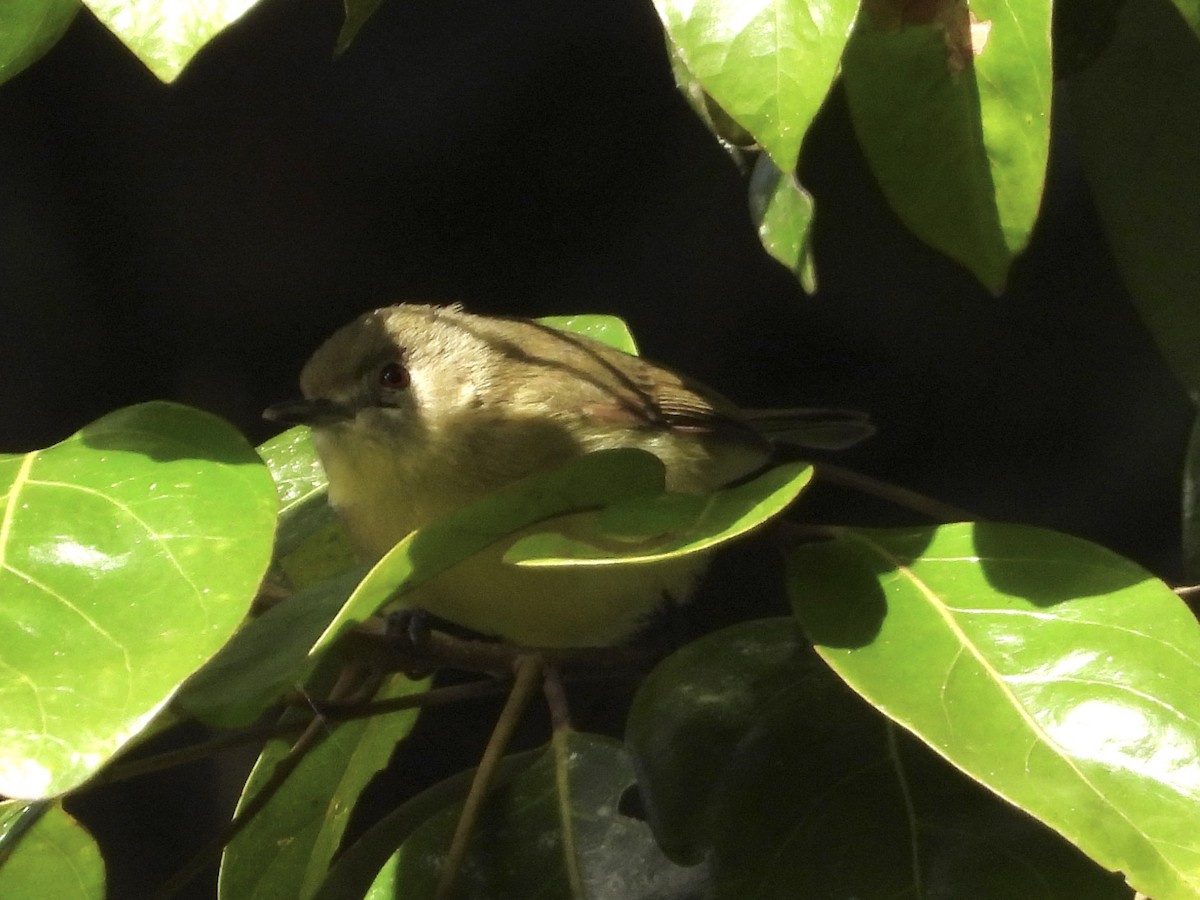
x: 286, y: 850
x: 609, y: 330
x: 753, y: 754
x: 584, y: 483
x: 1139, y: 139
x: 369, y: 868
x: 166, y: 34
x: 650, y: 529
x: 553, y: 829
x: 46, y: 853
x: 768, y: 64
x: 302, y: 485
x: 358, y: 12
x: 783, y: 211
x: 1062, y: 676
x: 131, y: 551
x: 953, y: 115
x: 267, y: 658
x: 28, y: 29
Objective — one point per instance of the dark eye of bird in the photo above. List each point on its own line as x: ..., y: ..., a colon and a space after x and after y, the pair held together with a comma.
x: 393, y: 376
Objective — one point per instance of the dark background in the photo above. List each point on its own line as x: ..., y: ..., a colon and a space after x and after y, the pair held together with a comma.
x: 197, y: 241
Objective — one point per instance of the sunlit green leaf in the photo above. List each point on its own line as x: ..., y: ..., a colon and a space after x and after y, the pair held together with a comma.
x: 752, y: 755
x: 1139, y: 139
x: 651, y: 529
x: 46, y: 853
x: 609, y: 330
x: 268, y: 657
x: 783, y: 211
x: 28, y: 29
x: 299, y: 478
x: 1062, y: 676
x: 586, y: 482
x: 130, y: 553
x: 954, y: 118
x: 287, y: 848
x: 767, y: 63
x: 166, y: 34
x: 310, y: 545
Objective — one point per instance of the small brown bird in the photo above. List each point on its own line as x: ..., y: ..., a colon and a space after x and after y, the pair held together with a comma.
x: 419, y: 410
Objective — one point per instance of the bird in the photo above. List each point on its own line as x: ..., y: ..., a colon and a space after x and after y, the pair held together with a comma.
x: 418, y: 410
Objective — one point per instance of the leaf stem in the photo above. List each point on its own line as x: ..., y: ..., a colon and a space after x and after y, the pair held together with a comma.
x: 528, y: 671
x: 901, y: 496
x: 351, y: 683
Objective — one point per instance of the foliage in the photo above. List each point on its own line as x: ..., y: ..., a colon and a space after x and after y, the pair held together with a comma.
x: 962, y: 710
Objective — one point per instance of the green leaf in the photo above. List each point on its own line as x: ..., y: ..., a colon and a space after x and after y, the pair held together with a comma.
x: 768, y: 64
x: 268, y: 657
x: 552, y: 828
x: 310, y: 544
x: 753, y: 755
x: 1060, y: 675
x: 166, y: 34
x: 650, y: 529
x: 286, y: 849
x: 28, y: 29
x: 1190, y: 10
x: 130, y: 552
x: 357, y: 14
x: 368, y: 866
x: 301, y: 482
x: 46, y: 853
x: 586, y: 482
x: 783, y: 211
x: 1139, y: 139
x: 954, y: 118
x: 610, y: 330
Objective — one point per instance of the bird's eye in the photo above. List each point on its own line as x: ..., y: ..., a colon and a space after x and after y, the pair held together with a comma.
x: 393, y: 376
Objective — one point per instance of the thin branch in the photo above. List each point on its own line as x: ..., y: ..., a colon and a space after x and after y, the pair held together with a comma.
x: 351, y: 683
x: 528, y: 668
x: 909, y: 499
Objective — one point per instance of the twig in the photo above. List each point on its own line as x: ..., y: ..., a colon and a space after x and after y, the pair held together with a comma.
x: 330, y: 711
x: 528, y: 668
x: 372, y: 644
x: 350, y: 683
x: 909, y: 499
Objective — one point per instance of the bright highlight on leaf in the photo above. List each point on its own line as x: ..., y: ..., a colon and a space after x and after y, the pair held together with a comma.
x: 767, y: 63
x: 129, y: 552
x: 609, y: 330
x: 652, y: 529
x: 953, y: 114
x: 166, y: 34
x: 1062, y: 676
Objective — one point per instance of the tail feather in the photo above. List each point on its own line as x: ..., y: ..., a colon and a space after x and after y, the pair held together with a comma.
x: 816, y: 429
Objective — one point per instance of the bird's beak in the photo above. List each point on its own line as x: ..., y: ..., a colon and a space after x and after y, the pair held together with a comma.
x: 316, y: 412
